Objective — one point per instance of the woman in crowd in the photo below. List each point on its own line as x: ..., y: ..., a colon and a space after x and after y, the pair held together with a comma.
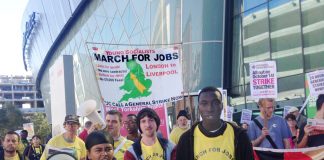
x: 35, y: 150
x: 292, y: 123
x: 99, y: 146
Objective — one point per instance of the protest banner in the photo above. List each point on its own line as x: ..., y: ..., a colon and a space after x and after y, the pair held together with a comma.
x: 137, y: 77
x: 29, y: 127
x: 316, y: 82
x: 229, y: 114
x: 263, y: 79
x: 246, y: 116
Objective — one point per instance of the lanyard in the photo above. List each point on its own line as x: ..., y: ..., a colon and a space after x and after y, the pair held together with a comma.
x: 120, y: 145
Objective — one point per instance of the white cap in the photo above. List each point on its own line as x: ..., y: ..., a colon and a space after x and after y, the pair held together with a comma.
x: 293, y: 109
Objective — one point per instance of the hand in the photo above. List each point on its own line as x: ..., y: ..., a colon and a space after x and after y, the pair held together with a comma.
x: 308, y: 129
x: 265, y: 132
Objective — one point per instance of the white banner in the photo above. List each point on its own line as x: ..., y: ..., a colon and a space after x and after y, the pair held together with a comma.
x: 316, y: 82
x: 246, y: 116
x: 138, y: 77
x: 263, y: 79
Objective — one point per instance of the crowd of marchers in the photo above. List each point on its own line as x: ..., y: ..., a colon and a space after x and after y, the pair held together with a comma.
x: 210, y: 138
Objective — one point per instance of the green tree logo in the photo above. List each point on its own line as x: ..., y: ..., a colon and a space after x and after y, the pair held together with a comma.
x: 135, y: 82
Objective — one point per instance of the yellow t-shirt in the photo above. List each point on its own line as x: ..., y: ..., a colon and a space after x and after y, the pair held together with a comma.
x: 16, y: 157
x: 220, y: 147
x: 77, y: 148
x: 120, y: 153
x: 154, y: 152
x: 176, y: 134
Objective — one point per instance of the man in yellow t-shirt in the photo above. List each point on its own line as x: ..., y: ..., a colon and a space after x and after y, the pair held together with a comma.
x: 67, y: 142
x: 114, y: 124
x: 10, y: 147
x: 150, y: 146
x: 212, y: 138
x: 182, y: 126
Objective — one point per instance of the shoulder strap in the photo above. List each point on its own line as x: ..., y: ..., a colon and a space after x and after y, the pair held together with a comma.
x: 120, y: 145
x: 267, y: 136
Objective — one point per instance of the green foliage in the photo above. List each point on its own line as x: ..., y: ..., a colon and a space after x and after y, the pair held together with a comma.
x: 11, y: 118
x: 41, y: 126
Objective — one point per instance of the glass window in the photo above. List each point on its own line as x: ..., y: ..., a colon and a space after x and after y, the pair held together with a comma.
x: 237, y: 61
x: 251, y: 6
x: 313, y: 33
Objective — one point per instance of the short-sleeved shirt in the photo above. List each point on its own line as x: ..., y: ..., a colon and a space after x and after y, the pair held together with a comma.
x: 154, y: 152
x: 76, y: 148
x: 278, y: 130
x: 176, y: 134
x: 122, y: 149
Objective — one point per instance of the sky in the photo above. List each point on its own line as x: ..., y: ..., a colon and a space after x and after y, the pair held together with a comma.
x: 11, y: 61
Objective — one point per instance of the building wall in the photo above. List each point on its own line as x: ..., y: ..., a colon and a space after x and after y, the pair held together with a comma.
x: 197, y: 26
x: 289, y: 32
x: 20, y: 91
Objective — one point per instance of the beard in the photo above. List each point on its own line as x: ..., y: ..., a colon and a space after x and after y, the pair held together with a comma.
x: 10, y: 149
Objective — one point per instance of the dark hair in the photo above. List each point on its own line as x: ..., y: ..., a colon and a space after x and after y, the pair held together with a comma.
x: 37, y: 136
x: 87, y: 124
x: 132, y: 115
x: 13, y: 132
x: 115, y: 112
x: 149, y: 113
x: 319, y: 101
x: 97, y: 137
x: 211, y: 89
x: 290, y: 116
x: 24, y: 131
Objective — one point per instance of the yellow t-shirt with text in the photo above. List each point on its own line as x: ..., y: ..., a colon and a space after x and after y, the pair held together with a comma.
x: 220, y: 147
x: 16, y: 157
x: 154, y: 152
x: 77, y: 148
x: 120, y: 154
x: 176, y: 134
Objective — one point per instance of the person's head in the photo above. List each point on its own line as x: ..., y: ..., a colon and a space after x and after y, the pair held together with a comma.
x: 71, y: 124
x: 23, y: 134
x: 114, y: 122
x: 210, y: 104
x: 36, y: 140
x: 148, y: 122
x: 245, y: 125
x: 320, y: 102
x: 266, y: 106
x: 182, y: 119
x: 87, y: 124
x: 11, y: 142
x: 291, y: 120
x: 294, y: 111
x: 99, y: 146
x: 130, y: 124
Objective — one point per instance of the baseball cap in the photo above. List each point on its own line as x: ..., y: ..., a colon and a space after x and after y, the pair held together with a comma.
x: 71, y: 118
x: 293, y: 109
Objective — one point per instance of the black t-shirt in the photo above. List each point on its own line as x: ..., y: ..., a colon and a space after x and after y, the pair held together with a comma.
x: 314, y: 140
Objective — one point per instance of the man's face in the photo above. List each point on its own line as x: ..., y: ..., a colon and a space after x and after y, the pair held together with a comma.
x: 71, y: 127
x: 101, y: 152
x: 148, y: 126
x: 182, y: 122
x: 130, y: 124
x: 10, y: 143
x: 23, y: 135
x: 210, y: 107
x: 113, y: 124
x: 266, y: 108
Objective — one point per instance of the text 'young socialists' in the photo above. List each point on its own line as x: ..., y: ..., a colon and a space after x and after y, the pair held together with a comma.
x: 143, y: 103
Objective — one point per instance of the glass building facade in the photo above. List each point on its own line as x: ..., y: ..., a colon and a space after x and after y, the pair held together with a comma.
x: 289, y: 32
x: 218, y: 40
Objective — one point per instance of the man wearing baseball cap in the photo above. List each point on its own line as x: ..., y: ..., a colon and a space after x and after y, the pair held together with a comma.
x: 69, y: 141
x: 182, y: 126
x: 149, y: 146
x: 300, y: 118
